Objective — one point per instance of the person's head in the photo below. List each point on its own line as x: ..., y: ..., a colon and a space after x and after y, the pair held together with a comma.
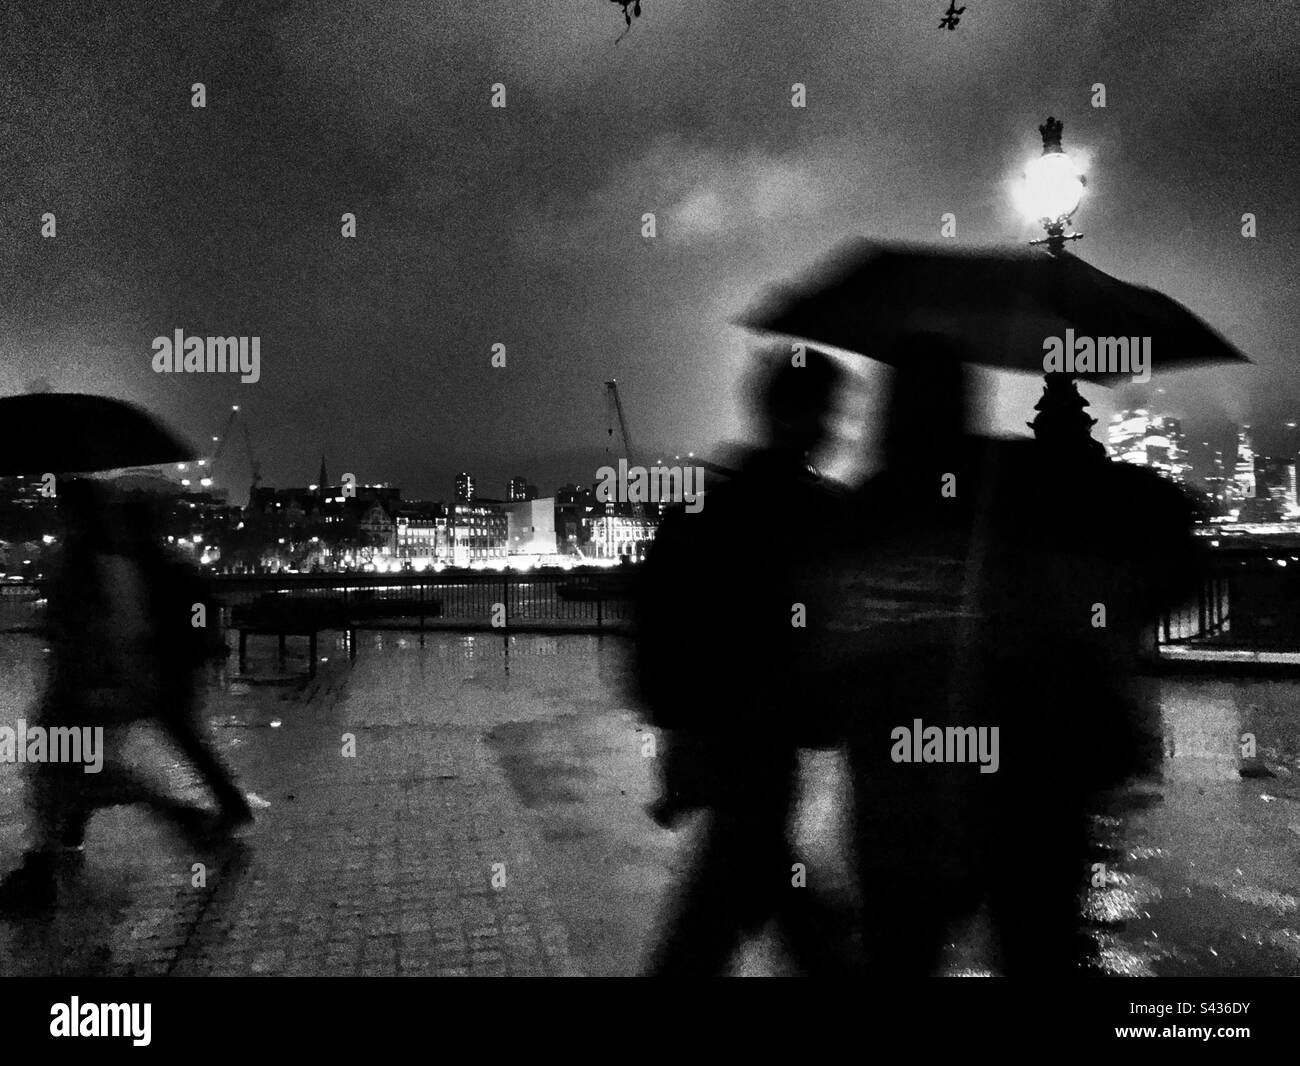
x: 84, y: 508
x: 928, y: 405
x: 794, y: 398
x: 100, y: 520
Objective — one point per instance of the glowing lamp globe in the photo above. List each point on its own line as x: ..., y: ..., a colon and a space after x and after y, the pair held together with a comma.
x: 1052, y: 188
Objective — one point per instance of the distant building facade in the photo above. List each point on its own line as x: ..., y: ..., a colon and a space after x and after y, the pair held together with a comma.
x: 1276, y: 479
x: 479, y: 533
x: 1139, y: 437
x: 422, y: 534
x: 575, y: 509
x: 617, y: 536
x: 1242, y: 486
x: 519, y: 490
x: 531, y: 527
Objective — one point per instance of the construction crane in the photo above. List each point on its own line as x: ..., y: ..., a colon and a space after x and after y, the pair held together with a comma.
x: 254, y: 466
x: 611, y: 393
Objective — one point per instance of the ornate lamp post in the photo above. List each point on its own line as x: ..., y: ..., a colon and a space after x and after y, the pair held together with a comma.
x: 1052, y: 189
x: 1050, y: 195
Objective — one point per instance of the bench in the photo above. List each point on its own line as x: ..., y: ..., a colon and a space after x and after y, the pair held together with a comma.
x: 284, y: 616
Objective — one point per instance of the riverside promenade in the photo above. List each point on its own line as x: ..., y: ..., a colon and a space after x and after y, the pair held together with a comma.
x: 492, y: 823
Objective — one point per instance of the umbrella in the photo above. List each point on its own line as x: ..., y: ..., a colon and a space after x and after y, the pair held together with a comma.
x: 999, y: 306
x: 67, y: 432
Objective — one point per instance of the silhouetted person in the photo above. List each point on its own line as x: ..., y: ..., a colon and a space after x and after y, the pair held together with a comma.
x: 979, y: 611
x: 726, y: 623
x: 177, y: 649
x: 122, y: 651
x: 1080, y: 555
x: 898, y: 626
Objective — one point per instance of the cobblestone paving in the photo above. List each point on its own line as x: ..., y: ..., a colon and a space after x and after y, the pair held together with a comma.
x: 471, y: 761
x: 413, y: 857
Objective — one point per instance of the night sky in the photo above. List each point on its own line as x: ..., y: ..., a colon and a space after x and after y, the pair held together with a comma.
x: 522, y: 225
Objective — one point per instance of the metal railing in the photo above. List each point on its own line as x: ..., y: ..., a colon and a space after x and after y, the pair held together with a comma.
x: 507, y: 599
x: 1245, y: 601
x: 1203, y: 619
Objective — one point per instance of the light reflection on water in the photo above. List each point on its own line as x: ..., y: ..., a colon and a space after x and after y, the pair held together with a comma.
x: 1211, y: 854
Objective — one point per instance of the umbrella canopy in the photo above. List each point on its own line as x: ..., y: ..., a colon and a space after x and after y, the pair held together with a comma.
x: 999, y: 307
x: 67, y: 432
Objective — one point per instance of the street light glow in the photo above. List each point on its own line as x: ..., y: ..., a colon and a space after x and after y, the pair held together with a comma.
x: 1051, y: 190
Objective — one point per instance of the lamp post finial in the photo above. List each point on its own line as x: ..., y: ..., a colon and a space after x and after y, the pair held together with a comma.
x: 1051, y: 132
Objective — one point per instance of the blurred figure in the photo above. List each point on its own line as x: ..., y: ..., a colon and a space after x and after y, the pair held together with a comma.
x: 1000, y: 586
x: 123, y: 650
x: 1072, y: 578
x: 897, y: 629
x: 726, y: 626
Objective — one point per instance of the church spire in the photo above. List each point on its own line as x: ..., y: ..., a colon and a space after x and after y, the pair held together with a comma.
x: 321, y: 481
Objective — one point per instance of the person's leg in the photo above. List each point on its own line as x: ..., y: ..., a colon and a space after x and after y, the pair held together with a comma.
x: 184, y: 729
x: 821, y: 936
x: 1036, y: 915
x: 911, y: 883
x: 739, y: 873
x: 120, y: 784
x: 59, y: 810
x: 705, y: 929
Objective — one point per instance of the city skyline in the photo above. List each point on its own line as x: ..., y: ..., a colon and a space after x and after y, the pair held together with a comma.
x: 380, y: 347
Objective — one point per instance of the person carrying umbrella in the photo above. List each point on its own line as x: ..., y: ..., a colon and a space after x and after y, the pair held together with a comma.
x: 122, y: 647
x: 987, y: 588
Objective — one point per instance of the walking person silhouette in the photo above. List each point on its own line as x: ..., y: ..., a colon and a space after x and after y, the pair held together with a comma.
x: 726, y: 634
x: 123, y: 651
x: 997, y: 594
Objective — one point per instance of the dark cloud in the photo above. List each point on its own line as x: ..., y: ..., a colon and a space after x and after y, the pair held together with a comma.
x: 522, y: 225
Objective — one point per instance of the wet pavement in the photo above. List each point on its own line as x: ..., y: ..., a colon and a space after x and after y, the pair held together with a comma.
x: 492, y: 822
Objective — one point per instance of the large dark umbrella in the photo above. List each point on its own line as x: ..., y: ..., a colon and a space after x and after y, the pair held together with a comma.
x: 998, y: 306
x: 68, y: 432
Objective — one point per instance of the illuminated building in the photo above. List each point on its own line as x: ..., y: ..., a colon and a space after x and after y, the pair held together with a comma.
x: 616, y: 535
x: 479, y: 533
x: 1217, y: 484
x: 574, y: 510
x: 531, y: 527
x: 1276, y: 480
x: 464, y: 487
x: 520, y: 490
x: 422, y: 535
x: 1242, y: 486
x: 378, y: 528
x: 1143, y: 439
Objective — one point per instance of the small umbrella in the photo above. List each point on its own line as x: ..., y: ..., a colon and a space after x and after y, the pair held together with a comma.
x: 998, y: 306
x: 66, y: 432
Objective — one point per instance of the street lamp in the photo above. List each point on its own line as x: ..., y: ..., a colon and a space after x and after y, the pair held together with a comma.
x: 1050, y: 195
x: 1052, y: 189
